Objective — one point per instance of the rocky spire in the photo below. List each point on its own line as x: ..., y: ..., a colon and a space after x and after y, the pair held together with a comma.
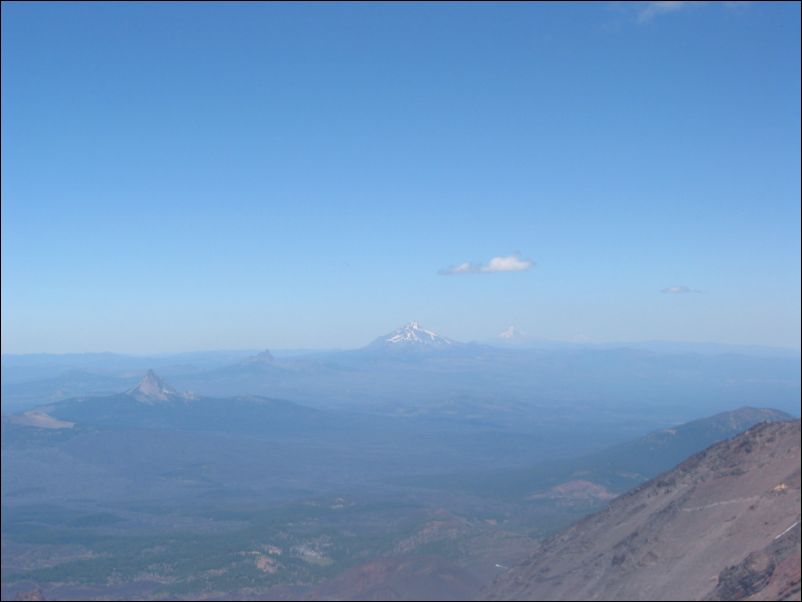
x: 152, y: 389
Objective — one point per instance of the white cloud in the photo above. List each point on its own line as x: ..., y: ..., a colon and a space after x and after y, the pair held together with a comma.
x: 647, y: 11
x: 463, y: 268
x: 650, y: 10
x: 679, y: 290
x: 510, y: 263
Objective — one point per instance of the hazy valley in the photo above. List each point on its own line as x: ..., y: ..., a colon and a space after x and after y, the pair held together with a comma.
x: 431, y: 490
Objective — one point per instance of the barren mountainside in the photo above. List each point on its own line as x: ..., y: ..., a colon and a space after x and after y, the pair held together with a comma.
x: 723, y: 525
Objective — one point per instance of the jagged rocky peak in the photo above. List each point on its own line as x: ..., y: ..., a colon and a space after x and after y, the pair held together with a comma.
x: 153, y: 388
x: 413, y: 334
x: 265, y: 357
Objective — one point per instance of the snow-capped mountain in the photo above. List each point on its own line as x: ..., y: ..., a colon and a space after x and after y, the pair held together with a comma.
x: 512, y: 333
x: 412, y: 336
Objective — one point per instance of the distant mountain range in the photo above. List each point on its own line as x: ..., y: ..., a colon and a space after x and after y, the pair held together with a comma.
x: 414, y: 369
x: 723, y: 525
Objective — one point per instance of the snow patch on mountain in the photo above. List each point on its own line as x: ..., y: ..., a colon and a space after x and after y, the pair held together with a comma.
x: 413, y: 335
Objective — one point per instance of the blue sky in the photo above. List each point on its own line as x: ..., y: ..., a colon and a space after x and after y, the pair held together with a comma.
x: 205, y: 176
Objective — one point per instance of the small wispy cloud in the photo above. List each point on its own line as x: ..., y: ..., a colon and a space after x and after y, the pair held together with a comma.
x: 646, y: 11
x: 510, y: 263
x: 679, y: 290
x: 650, y: 10
x: 736, y: 4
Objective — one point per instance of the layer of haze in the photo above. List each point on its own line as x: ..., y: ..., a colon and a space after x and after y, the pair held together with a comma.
x: 195, y: 176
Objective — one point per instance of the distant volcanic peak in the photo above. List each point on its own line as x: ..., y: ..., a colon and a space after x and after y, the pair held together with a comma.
x: 153, y: 388
x: 511, y: 333
x: 413, y: 334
